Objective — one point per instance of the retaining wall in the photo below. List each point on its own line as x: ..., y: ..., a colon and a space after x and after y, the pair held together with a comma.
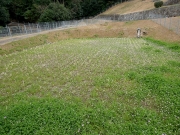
x: 162, y: 12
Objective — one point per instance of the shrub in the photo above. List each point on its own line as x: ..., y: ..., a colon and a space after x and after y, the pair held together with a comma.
x: 158, y: 4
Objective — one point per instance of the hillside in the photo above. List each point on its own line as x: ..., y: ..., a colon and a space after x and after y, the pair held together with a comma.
x: 131, y: 6
x: 108, y: 29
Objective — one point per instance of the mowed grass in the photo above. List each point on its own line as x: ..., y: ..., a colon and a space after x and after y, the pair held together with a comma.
x: 91, y: 86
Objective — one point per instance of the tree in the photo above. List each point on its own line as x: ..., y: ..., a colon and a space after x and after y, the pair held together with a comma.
x: 4, y: 13
x: 55, y: 12
x: 18, y: 7
x: 75, y: 8
x: 34, y: 12
x: 158, y: 4
x: 50, y: 10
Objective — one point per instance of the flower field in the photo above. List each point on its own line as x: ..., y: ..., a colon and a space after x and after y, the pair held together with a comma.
x: 91, y: 86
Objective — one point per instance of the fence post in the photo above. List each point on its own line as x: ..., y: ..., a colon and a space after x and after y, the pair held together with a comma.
x: 25, y: 28
x: 37, y: 27
x: 9, y: 31
x: 46, y: 26
x: 30, y: 27
x: 19, y: 29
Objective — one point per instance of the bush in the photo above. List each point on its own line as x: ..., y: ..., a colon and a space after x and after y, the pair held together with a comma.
x: 158, y: 4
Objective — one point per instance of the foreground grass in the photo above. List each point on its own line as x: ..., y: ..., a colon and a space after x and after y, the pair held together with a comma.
x: 91, y: 86
x: 174, y: 46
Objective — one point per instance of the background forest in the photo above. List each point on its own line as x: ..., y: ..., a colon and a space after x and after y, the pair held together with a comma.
x: 50, y: 10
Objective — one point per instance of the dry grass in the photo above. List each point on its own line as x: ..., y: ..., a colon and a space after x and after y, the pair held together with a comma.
x: 119, y: 29
x: 131, y: 6
x: 108, y: 29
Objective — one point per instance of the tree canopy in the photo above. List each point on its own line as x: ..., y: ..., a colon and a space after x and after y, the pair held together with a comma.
x: 50, y: 10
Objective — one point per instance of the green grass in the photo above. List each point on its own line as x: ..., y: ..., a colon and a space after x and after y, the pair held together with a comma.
x: 91, y: 86
x: 20, y: 45
x: 175, y: 46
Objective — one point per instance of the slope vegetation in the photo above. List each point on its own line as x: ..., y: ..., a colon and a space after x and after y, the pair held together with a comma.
x: 131, y: 6
x: 108, y: 29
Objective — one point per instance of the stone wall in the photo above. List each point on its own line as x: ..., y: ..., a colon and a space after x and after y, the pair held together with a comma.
x: 162, y: 12
x: 171, y: 2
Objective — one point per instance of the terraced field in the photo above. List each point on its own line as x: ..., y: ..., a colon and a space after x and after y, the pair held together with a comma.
x: 91, y: 86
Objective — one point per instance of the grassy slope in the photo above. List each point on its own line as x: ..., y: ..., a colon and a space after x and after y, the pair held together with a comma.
x: 108, y: 29
x: 92, y: 86
x: 131, y: 6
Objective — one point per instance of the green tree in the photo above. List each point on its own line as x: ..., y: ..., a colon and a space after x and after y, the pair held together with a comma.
x: 75, y: 8
x: 18, y: 7
x: 55, y: 12
x: 4, y: 12
x: 34, y: 12
x: 158, y: 4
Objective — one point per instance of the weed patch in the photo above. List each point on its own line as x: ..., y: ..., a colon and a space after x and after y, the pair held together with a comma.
x: 90, y: 86
x: 57, y: 116
x: 121, y: 34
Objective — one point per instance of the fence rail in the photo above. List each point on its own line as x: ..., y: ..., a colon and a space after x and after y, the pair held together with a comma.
x: 29, y: 28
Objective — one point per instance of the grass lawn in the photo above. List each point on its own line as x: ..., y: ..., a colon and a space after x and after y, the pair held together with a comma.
x: 91, y: 86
